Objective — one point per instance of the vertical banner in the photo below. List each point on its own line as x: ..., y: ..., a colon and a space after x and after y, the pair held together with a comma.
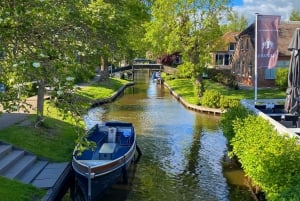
x: 267, y: 37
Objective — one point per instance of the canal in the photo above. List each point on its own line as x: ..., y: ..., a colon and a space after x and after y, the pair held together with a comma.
x: 183, y: 151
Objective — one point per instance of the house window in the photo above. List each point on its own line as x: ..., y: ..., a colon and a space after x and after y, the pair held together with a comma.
x: 270, y: 74
x: 231, y: 46
x: 226, y: 59
x: 219, y: 59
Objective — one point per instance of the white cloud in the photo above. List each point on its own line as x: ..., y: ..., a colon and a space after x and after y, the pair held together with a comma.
x: 267, y: 7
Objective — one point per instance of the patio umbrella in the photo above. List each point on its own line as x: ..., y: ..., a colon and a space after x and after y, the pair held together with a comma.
x: 293, y: 91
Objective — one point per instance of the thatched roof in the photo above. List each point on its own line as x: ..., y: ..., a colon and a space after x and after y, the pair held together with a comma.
x: 286, y: 31
x: 222, y: 43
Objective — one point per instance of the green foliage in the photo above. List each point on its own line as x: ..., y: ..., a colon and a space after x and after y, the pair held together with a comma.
x: 295, y: 15
x: 236, y: 22
x: 46, y: 42
x: 214, y: 99
x: 226, y: 102
x: 224, y: 77
x: 237, y: 112
x: 188, y: 27
x: 269, y: 159
x: 185, y: 70
x: 281, y: 80
x: 211, y: 98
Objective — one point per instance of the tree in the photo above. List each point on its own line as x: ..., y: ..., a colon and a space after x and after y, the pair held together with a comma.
x: 295, y: 15
x: 36, y: 37
x: 47, y: 42
x: 236, y: 22
x: 114, y: 27
x: 189, y: 27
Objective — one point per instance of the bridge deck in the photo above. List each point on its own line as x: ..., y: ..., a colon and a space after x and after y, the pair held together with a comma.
x: 139, y: 67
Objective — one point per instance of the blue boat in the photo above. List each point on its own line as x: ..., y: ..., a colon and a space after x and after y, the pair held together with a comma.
x: 156, y: 77
x: 97, y: 169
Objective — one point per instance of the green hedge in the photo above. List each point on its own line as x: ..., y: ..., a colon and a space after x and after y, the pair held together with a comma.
x: 281, y: 80
x: 237, y: 112
x: 214, y: 99
x: 271, y: 161
x: 223, y: 76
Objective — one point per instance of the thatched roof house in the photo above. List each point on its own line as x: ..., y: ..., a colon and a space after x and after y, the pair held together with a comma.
x: 243, y: 59
x: 223, y: 50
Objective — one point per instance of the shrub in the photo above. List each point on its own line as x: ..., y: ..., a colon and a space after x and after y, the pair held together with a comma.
x: 211, y: 98
x: 185, y: 70
x: 281, y: 80
x: 269, y: 159
x: 227, y: 118
x: 223, y: 76
x: 226, y: 102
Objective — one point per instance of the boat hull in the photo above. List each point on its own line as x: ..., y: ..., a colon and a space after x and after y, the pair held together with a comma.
x: 100, y: 184
x: 98, y: 169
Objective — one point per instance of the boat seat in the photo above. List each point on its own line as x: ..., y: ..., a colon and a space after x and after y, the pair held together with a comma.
x: 106, y: 151
x: 125, y: 137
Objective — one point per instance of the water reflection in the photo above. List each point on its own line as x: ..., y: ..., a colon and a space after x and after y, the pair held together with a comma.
x: 182, y: 149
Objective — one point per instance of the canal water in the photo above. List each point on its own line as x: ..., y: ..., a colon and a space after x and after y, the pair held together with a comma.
x: 183, y: 151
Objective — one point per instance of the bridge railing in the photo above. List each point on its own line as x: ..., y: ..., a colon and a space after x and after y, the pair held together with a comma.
x: 139, y: 66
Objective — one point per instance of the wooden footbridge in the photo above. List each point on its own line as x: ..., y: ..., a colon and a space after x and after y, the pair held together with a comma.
x: 142, y: 64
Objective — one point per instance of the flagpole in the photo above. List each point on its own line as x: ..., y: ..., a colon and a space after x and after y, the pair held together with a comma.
x: 255, y: 64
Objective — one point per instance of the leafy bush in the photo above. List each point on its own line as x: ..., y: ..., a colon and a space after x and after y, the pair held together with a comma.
x: 269, y: 159
x: 281, y: 80
x: 214, y: 99
x: 211, y: 98
x: 226, y: 102
x: 185, y: 70
x: 233, y: 113
x: 223, y: 76
x: 83, y: 75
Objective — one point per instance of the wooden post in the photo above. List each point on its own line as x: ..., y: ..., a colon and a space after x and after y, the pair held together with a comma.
x: 133, y: 72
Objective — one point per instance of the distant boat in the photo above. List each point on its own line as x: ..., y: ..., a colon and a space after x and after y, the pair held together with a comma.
x: 156, y: 77
x: 98, y: 169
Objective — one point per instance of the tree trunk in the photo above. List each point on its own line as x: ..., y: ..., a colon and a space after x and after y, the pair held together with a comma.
x: 200, y: 85
x: 104, y: 73
x: 40, y: 103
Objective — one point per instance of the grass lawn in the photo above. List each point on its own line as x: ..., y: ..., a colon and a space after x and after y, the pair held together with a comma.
x: 102, y: 90
x: 13, y: 190
x: 183, y: 88
x: 263, y: 93
x: 54, y: 141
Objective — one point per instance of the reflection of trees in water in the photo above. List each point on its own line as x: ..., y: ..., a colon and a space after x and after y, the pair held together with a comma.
x: 193, y: 156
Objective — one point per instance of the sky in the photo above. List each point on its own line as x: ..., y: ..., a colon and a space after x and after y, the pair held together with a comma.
x: 265, y: 7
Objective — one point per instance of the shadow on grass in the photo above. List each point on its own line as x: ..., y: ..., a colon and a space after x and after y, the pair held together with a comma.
x: 55, y: 141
